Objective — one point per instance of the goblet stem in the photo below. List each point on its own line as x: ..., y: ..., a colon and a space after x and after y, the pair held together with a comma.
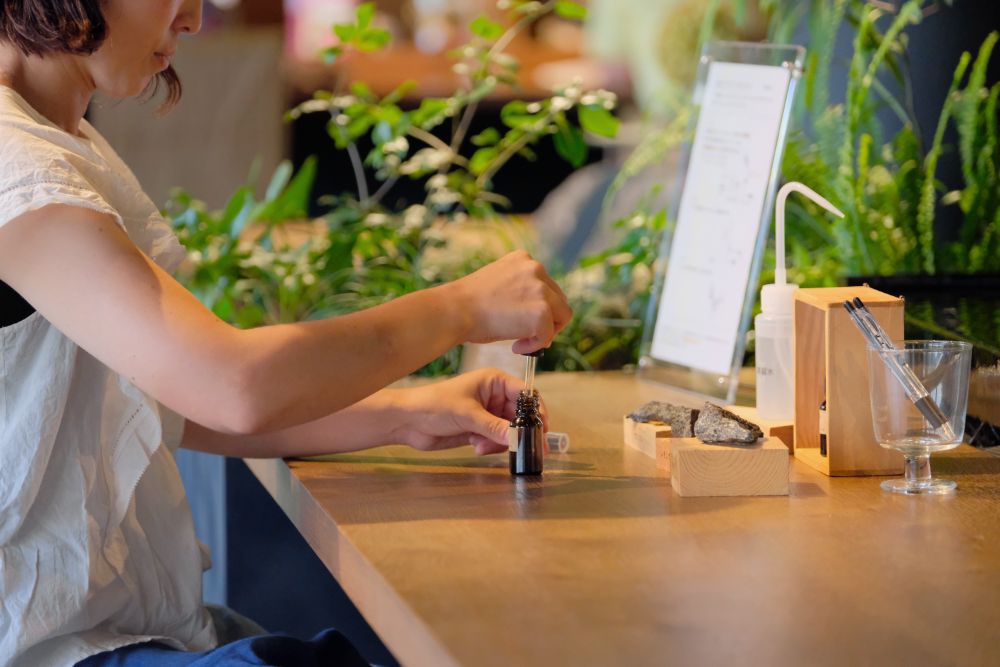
x: 917, y: 469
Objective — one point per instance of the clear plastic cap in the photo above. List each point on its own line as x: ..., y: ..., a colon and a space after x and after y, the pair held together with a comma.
x: 557, y: 442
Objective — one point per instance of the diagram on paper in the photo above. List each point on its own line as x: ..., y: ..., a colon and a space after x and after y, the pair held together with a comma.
x: 719, y: 216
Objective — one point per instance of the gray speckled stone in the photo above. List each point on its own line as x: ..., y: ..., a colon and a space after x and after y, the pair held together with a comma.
x: 680, y: 418
x: 718, y: 426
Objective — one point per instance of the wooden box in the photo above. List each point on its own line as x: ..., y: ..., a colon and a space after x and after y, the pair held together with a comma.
x: 697, y: 469
x: 772, y: 428
x: 831, y: 365
x: 650, y: 438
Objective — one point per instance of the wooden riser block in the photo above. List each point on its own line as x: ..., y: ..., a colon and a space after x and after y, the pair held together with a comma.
x: 663, y: 454
x: 782, y: 430
x: 650, y: 438
x: 697, y: 469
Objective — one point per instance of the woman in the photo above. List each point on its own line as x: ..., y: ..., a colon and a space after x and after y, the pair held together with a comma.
x: 104, y: 358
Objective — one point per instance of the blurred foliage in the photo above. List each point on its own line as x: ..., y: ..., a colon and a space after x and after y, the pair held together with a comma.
x: 247, y: 265
x: 884, y: 179
x: 610, y: 294
x: 263, y: 262
x: 610, y: 290
x: 887, y: 182
x: 881, y: 174
x: 248, y: 282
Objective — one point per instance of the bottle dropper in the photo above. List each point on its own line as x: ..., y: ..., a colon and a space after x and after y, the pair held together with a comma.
x: 530, y: 362
x: 556, y: 443
x: 526, y: 436
x: 773, y: 326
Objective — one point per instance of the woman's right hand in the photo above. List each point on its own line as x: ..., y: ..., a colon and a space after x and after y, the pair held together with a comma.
x: 513, y: 297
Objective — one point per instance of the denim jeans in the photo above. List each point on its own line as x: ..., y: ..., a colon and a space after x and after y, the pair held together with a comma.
x: 241, y: 642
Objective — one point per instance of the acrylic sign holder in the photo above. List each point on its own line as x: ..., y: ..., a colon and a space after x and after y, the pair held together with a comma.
x: 831, y: 365
x: 706, y: 280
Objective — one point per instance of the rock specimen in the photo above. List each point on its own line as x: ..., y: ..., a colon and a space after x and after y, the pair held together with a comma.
x: 680, y: 418
x: 718, y: 426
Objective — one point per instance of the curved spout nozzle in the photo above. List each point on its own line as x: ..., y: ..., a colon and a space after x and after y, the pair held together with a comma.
x: 779, y: 212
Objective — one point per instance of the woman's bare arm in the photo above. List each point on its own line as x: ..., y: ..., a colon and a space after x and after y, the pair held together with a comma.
x: 82, y: 273
x: 473, y: 408
x: 370, y: 422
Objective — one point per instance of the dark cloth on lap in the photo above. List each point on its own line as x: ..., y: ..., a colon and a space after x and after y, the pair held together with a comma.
x: 329, y: 648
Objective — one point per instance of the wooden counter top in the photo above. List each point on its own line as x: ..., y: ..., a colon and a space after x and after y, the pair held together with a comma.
x: 453, y: 562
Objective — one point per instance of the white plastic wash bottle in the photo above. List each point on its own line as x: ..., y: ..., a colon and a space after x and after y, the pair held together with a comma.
x: 773, y: 327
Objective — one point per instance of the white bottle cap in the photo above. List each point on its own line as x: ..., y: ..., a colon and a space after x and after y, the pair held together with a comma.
x: 776, y: 299
x: 557, y: 442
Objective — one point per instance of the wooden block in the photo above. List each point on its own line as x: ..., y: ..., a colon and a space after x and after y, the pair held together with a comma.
x: 831, y: 366
x: 782, y: 430
x: 650, y: 438
x: 663, y: 453
x: 697, y: 469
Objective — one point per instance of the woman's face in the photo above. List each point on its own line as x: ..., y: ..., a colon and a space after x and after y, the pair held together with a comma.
x: 142, y: 37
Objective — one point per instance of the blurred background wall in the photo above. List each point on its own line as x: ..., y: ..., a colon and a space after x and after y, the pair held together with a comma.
x: 229, y: 117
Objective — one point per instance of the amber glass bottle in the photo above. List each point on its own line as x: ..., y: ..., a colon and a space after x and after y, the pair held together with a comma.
x: 526, y: 437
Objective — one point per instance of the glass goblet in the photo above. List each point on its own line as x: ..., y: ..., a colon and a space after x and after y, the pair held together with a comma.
x: 943, y: 369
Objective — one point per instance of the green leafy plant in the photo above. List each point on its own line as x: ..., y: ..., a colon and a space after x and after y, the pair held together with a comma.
x: 610, y: 293
x: 361, y: 252
x: 405, y: 143
x: 248, y: 279
x: 610, y: 290
x: 887, y: 181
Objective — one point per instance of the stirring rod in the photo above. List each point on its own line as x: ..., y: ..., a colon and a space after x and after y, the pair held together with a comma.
x: 917, y: 392
x: 912, y: 385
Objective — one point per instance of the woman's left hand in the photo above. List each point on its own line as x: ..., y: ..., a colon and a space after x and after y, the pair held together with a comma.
x: 473, y: 408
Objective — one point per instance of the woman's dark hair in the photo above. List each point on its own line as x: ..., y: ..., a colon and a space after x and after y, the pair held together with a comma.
x: 40, y: 27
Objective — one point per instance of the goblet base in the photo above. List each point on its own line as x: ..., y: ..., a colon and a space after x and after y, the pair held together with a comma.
x: 930, y: 487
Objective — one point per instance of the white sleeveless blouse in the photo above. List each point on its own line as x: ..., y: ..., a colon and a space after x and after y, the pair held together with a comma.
x: 97, y: 545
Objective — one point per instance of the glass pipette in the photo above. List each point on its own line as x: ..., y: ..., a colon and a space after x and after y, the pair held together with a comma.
x: 530, y: 361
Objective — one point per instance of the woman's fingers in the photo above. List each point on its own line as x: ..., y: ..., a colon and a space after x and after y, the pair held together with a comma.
x: 556, y: 298
x: 514, y: 297
x: 502, y: 390
x: 559, y: 296
x: 479, y: 421
x: 551, y: 316
x: 529, y: 345
x: 561, y: 311
x: 477, y: 409
x: 498, y: 392
x: 484, y: 446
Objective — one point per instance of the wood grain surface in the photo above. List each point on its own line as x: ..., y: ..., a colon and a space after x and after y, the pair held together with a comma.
x: 649, y: 438
x: 599, y: 562
x: 700, y: 469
